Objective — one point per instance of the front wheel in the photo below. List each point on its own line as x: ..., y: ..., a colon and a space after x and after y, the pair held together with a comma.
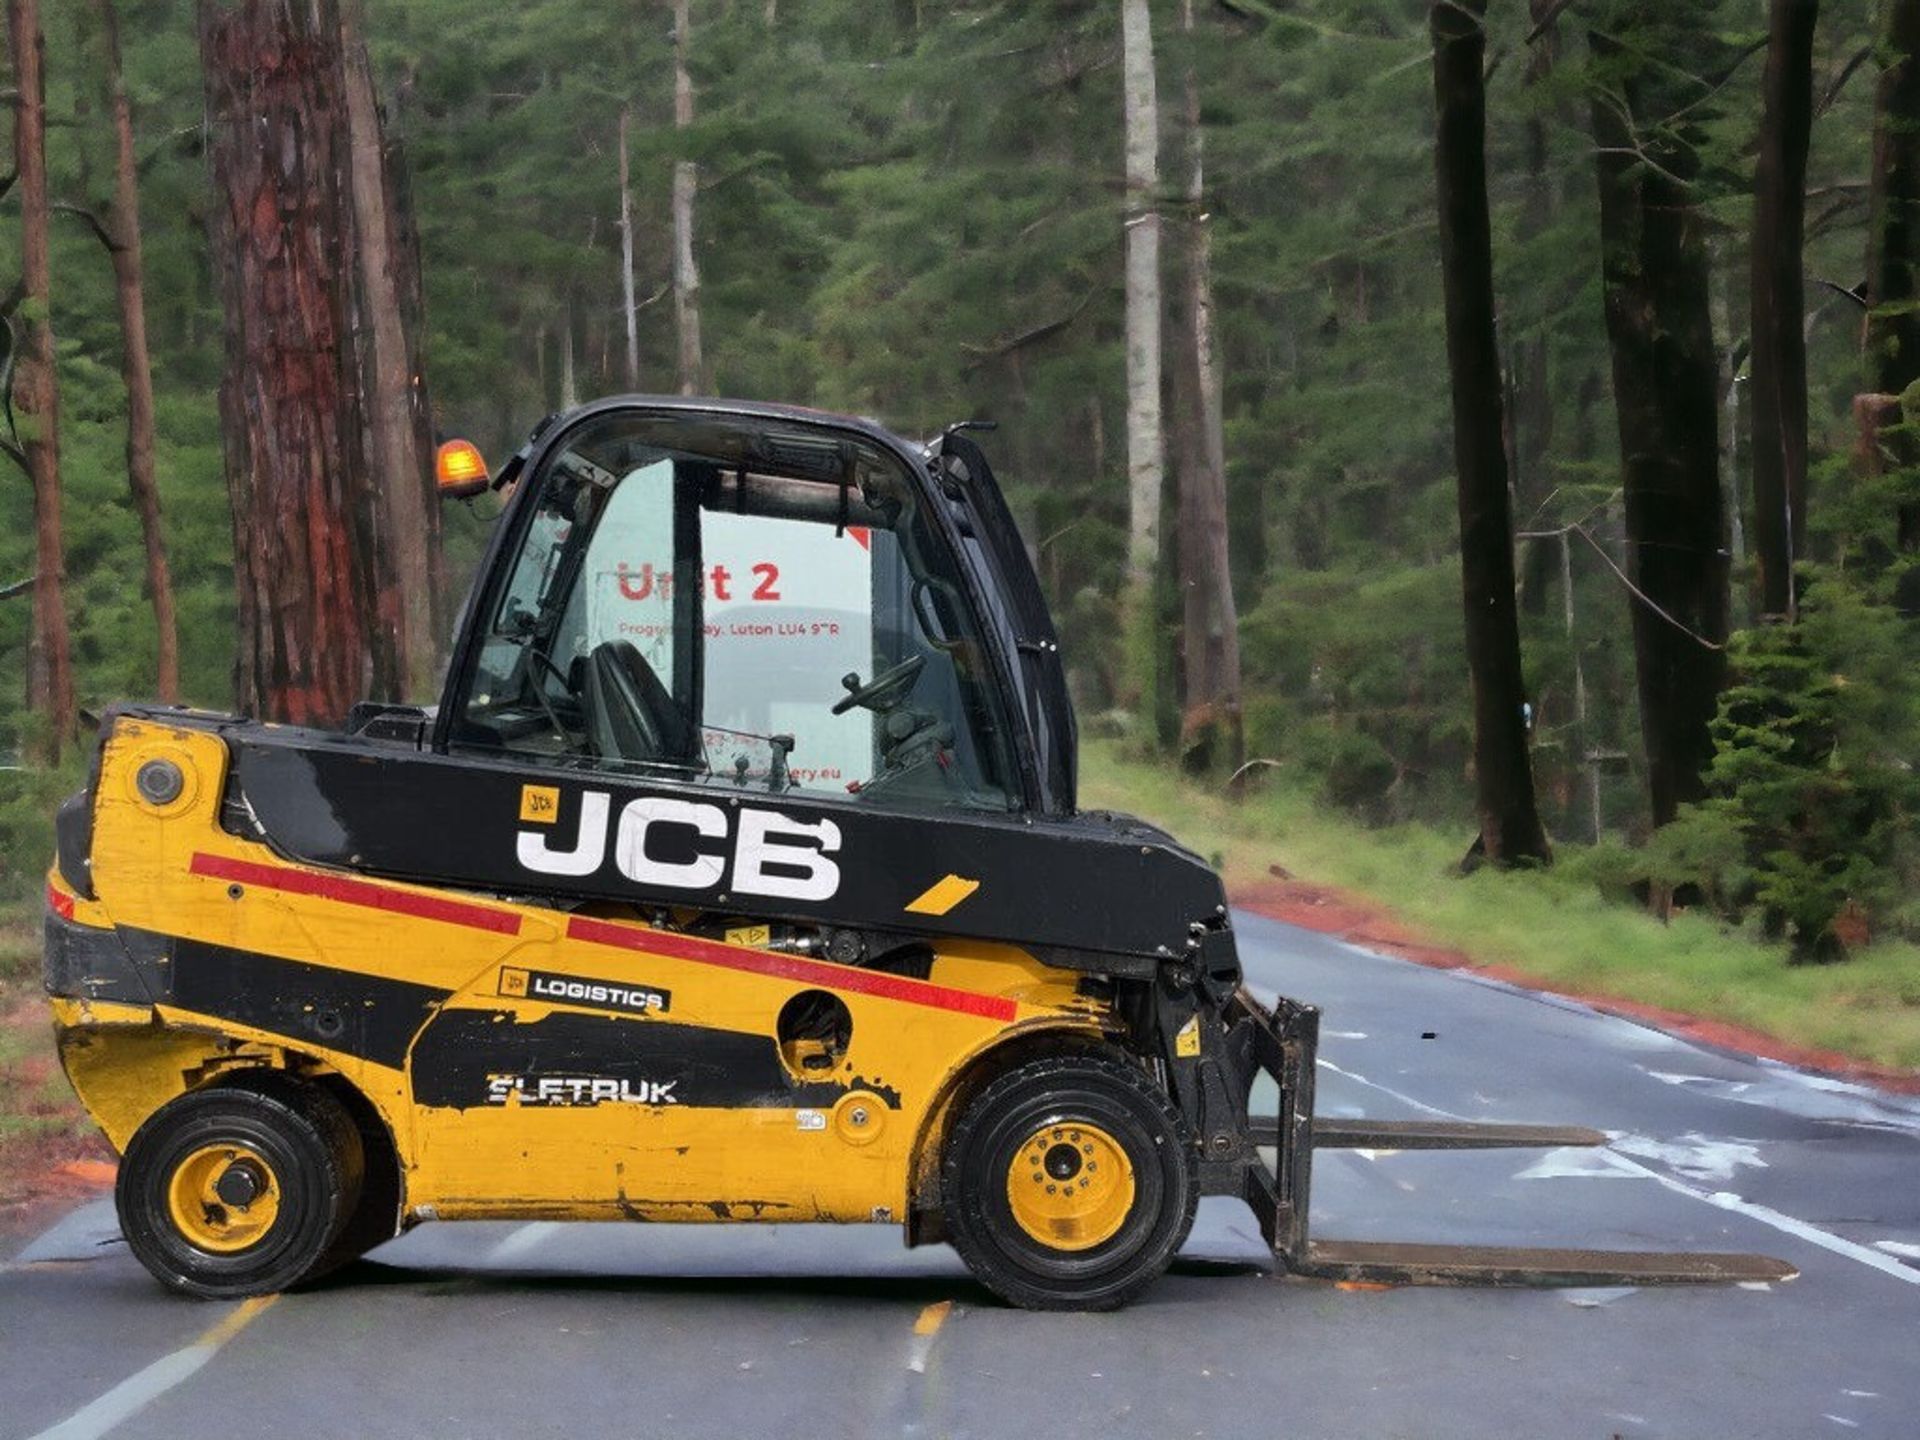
x: 228, y: 1192
x: 1069, y: 1183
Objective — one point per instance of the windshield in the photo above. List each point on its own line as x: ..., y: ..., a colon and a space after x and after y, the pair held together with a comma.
x: 744, y: 603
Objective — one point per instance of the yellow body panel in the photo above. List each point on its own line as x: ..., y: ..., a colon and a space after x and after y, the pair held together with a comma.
x: 169, y: 871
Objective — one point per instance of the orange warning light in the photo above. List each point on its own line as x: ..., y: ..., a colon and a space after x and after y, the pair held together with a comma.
x: 459, y: 470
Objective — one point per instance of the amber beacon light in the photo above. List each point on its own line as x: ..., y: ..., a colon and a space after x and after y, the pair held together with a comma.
x: 459, y: 469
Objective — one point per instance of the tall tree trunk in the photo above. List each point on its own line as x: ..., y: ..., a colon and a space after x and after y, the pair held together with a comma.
x: 36, y: 389
x: 1210, y: 728
x: 1532, y: 418
x: 1893, y: 259
x: 1146, y: 443
x: 280, y: 218
x: 1660, y: 331
x: 1779, y: 413
x: 129, y: 277
x: 398, y: 428
x: 686, y: 185
x: 1510, y: 829
x: 627, y: 304
x: 403, y: 225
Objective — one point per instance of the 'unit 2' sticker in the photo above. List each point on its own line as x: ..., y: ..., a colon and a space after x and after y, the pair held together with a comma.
x: 621, y: 995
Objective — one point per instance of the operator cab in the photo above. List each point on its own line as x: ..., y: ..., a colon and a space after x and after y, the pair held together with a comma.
x: 737, y: 601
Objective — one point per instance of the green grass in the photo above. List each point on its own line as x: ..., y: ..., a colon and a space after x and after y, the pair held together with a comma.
x: 1553, y: 926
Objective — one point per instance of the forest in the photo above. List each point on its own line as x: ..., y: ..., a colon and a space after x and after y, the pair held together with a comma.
x: 1490, y: 414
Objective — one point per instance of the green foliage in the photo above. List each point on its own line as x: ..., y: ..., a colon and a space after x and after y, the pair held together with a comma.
x: 915, y: 211
x: 28, y: 799
x: 1811, y: 820
x: 1552, y: 925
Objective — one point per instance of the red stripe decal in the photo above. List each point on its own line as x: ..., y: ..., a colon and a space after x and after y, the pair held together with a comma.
x: 791, y: 967
x: 349, y: 891
x: 61, y: 902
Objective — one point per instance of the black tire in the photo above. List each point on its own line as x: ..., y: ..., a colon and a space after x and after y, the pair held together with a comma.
x: 374, y: 1219
x: 1130, y: 1109
x: 301, y: 1149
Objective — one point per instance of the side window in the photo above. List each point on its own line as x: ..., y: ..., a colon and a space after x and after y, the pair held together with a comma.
x: 625, y: 590
x: 583, y: 660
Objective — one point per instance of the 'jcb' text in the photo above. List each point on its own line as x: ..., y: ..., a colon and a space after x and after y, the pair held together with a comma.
x: 683, y: 845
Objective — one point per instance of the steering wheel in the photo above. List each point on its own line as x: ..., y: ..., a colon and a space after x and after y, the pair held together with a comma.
x: 885, y: 688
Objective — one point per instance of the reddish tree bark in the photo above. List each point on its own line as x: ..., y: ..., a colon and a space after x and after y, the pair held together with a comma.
x: 36, y: 390
x: 279, y: 221
x: 399, y: 436
x: 129, y: 276
x: 1779, y: 385
x: 1510, y: 828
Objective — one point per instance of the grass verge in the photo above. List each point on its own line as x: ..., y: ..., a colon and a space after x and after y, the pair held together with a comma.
x: 1551, y: 927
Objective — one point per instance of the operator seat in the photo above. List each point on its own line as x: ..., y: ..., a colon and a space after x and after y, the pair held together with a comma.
x: 630, y: 714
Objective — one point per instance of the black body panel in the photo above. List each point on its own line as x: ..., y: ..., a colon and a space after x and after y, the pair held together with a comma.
x: 87, y: 963
x: 1092, y: 886
x: 464, y: 1054
x: 371, y: 1017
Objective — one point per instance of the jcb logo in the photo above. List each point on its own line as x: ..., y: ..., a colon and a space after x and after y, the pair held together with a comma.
x: 672, y: 843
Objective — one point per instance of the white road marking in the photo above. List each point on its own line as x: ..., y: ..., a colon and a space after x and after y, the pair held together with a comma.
x: 924, y: 1330
x: 1896, y: 1247
x: 1572, y: 1163
x: 526, y: 1238
x: 1696, y: 1156
x: 1719, y: 1199
x: 1326, y: 1064
x: 1784, y: 1223
x: 141, y: 1389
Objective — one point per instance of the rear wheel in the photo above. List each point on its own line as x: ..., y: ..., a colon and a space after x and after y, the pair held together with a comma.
x: 227, y: 1192
x: 1069, y: 1184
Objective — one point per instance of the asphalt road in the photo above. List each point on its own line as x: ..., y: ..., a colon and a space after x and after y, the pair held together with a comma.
x: 541, y: 1329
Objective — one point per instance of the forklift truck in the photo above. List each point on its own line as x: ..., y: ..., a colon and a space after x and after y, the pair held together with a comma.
x: 657, y: 916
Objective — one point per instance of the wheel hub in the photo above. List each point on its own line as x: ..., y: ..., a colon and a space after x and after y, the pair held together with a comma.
x: 222, y: 1198
x: 1070, y: 1186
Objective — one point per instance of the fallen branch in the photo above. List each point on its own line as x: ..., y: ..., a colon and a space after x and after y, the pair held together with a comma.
x: 983, y: 353
x: 1236, y: 782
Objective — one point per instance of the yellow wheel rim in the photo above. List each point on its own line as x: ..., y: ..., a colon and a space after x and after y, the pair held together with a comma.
x: 223, y: 1198
x: 1070, y: 1186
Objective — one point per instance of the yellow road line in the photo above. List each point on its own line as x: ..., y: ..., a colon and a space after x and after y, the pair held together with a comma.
x: 140, y: 1390
x: 932, y: 1318
x: 924, y: 1329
